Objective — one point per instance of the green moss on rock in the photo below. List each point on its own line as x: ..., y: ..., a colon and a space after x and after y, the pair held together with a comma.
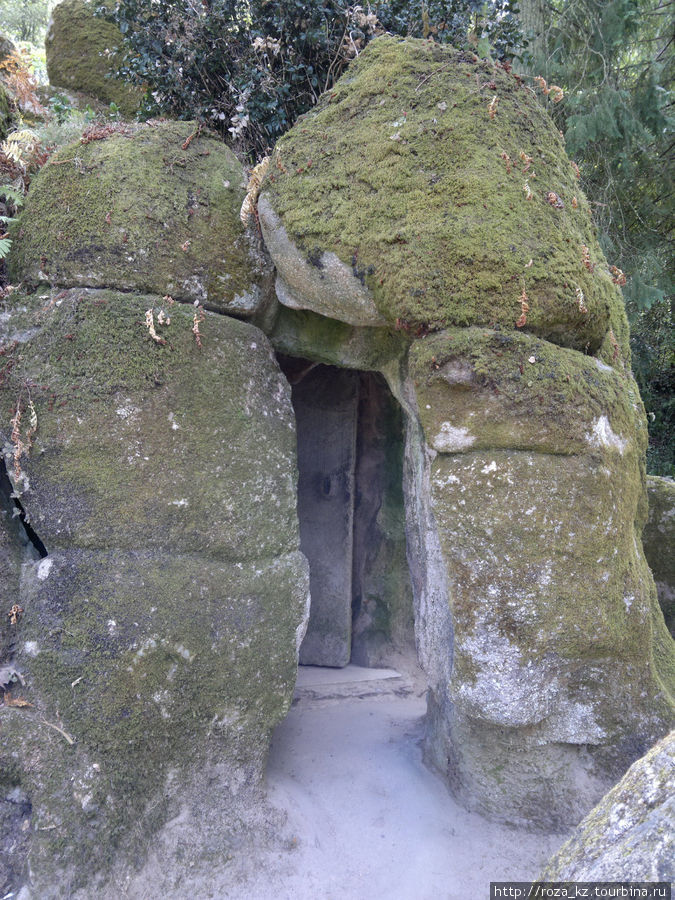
x: 5, y: 113
x: 306, y: 334
x: 155, y: 667
x: 79, y: 55
x: 134, y: 210
x: 399, y: 171
x: 195, y: 434
x: 480, y: 388
x: 158, y: 642
x: 11, y: 556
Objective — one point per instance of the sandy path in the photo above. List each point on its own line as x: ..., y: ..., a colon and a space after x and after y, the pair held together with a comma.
x: 368, y: 819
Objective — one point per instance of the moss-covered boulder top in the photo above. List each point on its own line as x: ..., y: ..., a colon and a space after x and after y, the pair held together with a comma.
x: 79, y: 49
x: 443, y: 185
x: 149, y: 208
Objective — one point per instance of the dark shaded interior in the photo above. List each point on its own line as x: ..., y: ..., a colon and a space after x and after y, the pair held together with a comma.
x: 9, y: 502
x: 350, y: 507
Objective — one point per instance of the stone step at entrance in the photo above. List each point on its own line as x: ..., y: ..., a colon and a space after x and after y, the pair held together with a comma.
x: 319, y: 685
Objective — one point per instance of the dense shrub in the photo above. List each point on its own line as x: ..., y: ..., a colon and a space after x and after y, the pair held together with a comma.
x: 654, y: 367
x: 251, y: 67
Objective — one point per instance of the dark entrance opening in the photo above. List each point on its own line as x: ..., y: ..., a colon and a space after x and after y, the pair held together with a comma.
x: 350, y: 507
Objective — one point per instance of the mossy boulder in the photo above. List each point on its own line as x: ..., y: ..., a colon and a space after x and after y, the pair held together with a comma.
x: 158, y: 643
x: 148, y: 208
x: 7, y: 47
x: 537, y: 486
x: 628, y: 837
x: 14, y: 803
x: 6, y: 113
x: 81, y: 55
x: 402, y: 197
x: 481, y: 388
x: 658, y: 540
x: 525, y: 434
x: 11, y: 557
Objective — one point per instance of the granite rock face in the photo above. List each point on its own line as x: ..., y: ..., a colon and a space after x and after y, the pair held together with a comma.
x: 658, y: 540
x: 535, y: 488
x: 629, y: 834
x: 403, y: 198
x: 81, y: 55
x: 164, y: 598
x: 157, y: 643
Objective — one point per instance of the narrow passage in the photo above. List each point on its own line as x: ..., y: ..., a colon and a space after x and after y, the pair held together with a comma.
x: 368, y: 820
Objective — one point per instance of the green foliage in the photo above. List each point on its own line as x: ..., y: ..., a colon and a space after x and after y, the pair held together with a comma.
x: 11, y: 196
x: 612, y: 58
x: 25, y: 20
x: 61, y: 107
x: 11, y: 199
x: 251, y: 68
x: 486, y: 27
x: 654, y: 367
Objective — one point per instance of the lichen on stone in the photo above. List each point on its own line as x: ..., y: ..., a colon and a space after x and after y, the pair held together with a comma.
x: 628, y: 836
x: 158, y: 637
x: 658, y: 541
x: 492, y: 388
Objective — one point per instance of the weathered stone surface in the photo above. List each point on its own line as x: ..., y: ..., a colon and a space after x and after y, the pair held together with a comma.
x: 524, y: 495
x: 483, y: 389
x: 11, y: 557
x: 7, y: 47
x: 382, y: 593
x: 135, y: 211
x: 159, y: 637
x: 398, y: 172
x: 322, y: 283
x: 14, y: 803
x: 629, y: 836
x: 351, y: 510
x: 80, y: 55
x: 220, y: 483
x: 536, y: 486
x: 658, y: 540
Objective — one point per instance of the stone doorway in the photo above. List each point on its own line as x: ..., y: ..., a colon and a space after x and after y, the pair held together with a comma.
x: 351, y: 512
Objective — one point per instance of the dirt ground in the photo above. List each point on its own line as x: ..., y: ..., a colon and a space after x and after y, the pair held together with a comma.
x: 366, y: 818
x: 352, y: 813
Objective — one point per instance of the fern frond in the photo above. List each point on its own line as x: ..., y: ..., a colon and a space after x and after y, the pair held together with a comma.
x: 5, y: 247
x: 10, y: 193
x: 18, y: 143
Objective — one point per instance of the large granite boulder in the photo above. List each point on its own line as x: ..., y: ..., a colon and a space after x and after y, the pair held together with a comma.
x: 658, y: 540
x: 81, y: 55
x: 164, y: 598
x: 149, y: 208
x: 425, y: 223
x: 630, y: 835
x: 14, y: 803
x: 560, y: 651
x: 432, y: 226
